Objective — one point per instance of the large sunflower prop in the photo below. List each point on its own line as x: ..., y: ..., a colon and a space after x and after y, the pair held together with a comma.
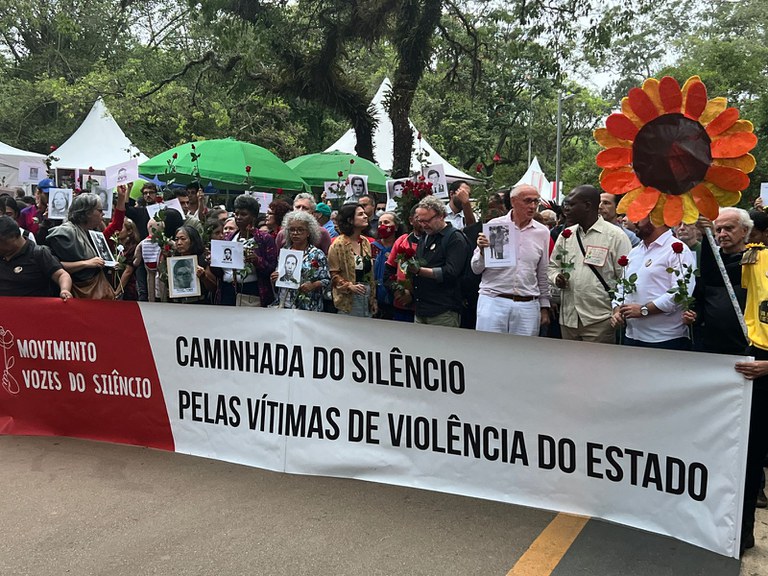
x: 674, y: 154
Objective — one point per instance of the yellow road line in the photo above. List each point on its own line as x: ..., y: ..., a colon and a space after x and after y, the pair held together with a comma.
x: 549, y: 548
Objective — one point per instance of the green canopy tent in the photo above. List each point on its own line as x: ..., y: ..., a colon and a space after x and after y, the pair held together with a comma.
x: 316, y: 169
x: 224, y: 164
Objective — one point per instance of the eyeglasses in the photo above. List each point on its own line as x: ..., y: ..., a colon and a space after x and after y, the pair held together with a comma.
x: 297, y: 230
x: 527, y: 200
x: 427, y: 221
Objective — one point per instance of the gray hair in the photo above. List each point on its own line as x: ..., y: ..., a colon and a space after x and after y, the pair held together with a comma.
x: 744, y: 219
x: 521, y: 188
x: 305, y: 196
x: 81, y: 206
x: 432, y: 203
x: 301, y: 217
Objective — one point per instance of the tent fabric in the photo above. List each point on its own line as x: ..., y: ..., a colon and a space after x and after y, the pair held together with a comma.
x: 536, y: 178
x: 99, y: 142
x: 383, y: 147
x: 9, y: 163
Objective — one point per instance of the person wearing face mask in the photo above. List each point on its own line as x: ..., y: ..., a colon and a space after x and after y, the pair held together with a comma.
x: 388, y: 231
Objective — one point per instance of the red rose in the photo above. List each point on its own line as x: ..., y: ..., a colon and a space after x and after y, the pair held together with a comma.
x: 315, y: 264
x: 418, y: 136
x: 193, y: 147
x: 351, y: 160
x: 623, y: 261
x: 422, y: 178
x: 496, y: 158
x: 248, y: 169
x: 677, y: 247
x: 479, y: 167
x: 279, y: 191
x: 340, y: 173
x: 175, y: 155
x: 53, y: 148
x: 409, y: 251
x: 90, y: 169
x: 567, y: 233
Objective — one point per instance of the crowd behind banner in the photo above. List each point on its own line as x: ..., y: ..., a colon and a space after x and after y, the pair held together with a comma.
x: 579, y: 271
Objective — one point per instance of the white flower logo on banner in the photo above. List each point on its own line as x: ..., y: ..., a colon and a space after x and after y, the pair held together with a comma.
x: 8, y: 381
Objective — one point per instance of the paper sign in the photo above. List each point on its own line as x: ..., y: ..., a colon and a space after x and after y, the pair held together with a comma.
x: 227, y: 254
x: 122, y: 173
x: 501, y: 253
x: 102, y: 248
x: 764, y: 193
x: 31, y: 172
x: 289, y: 268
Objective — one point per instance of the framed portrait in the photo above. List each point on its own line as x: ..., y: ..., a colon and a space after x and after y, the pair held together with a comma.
x: 102, y: 248
x: 59, y: 201
x: 502, y: 252
x: 357, y: 187
x: 227, y: 254
x: 289, y: 269
x: 32, y: 172
x: 182, y: 277
x: 331, y: 189
x: 435, y: 174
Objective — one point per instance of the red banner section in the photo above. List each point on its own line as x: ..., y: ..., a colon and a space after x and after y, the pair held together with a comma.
x: 81, y: 369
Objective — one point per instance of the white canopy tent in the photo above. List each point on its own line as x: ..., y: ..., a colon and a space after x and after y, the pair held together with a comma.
x: 383, y: 147
x: 10, y: 158
x: 536, y: 178
x: 99, y: 142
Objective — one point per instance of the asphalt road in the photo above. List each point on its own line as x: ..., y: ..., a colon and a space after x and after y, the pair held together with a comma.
x: 88, y: 508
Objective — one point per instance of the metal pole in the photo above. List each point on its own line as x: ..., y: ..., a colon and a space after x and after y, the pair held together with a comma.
x: 557, y: 149
x: 727, y: 282
x: 530, y: 127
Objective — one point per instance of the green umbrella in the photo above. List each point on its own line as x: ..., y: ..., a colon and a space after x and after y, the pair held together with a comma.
x: 224, y: 164
x: 316, y: 169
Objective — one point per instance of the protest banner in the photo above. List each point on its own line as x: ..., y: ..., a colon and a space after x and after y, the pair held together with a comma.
x: 646, y: 438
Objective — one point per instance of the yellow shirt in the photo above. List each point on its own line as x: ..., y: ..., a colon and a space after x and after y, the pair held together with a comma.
x: 754, y: 277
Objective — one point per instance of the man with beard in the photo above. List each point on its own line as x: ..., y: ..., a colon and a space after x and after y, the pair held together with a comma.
x: 460, y: 212
x: 652, y: 317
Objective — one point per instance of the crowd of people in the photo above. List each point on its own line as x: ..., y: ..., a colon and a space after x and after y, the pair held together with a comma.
x: 579, y: 271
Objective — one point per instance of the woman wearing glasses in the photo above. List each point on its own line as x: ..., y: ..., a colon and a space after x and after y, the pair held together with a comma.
x: 303, y: 233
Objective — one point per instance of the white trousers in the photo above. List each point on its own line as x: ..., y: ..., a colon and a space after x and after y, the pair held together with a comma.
x: 506, y: 316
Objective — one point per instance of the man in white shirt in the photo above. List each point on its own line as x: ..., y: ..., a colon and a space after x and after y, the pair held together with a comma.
x: 459, y: 209
x: 595, y: 247
x: 515, y: 299
x: 652, y: 317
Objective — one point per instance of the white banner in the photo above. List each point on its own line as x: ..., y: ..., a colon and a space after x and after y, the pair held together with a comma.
x: 651, y: 439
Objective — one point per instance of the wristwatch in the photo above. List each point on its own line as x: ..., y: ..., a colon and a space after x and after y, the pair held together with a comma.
x: 643, y: 310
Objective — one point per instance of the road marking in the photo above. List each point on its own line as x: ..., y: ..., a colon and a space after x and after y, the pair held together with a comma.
x: 549, y: 548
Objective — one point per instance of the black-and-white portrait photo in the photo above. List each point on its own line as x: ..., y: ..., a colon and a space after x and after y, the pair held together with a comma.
x: 102, y: 248
x: 182, y: 277
x: 357, y: 187
x: 502, y: 242
x: 106, y: 199
x: 59, y: 200
x: 227, y: 254
x: 331, y: 189
x: 435, y: 174
x: 289, y: 268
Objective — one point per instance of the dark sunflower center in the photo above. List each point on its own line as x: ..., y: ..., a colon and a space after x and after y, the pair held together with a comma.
x: 671, y: 153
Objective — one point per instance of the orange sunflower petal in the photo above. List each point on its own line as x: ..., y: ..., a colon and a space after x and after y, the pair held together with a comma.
x: 671, y: 97
x: 727, y: 178
x: 643, y: 204
x: 614, y: 157
x: 619, y: 182
x: 713, y: 110
x: 740, y: 126
x: 651, y: 88
x: 673, y: 211
x: 694, y: 98
x: 627, y: 199
x: 608, y: 140
x: 734, y: 145
x: 744, y: 163
x: 705, y: 201
x: 690, y: 211
x: 723, y: 197
x: 626, y: 109
x: 621, y: 127
x: 642, y: 105
x: 725, y: 120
